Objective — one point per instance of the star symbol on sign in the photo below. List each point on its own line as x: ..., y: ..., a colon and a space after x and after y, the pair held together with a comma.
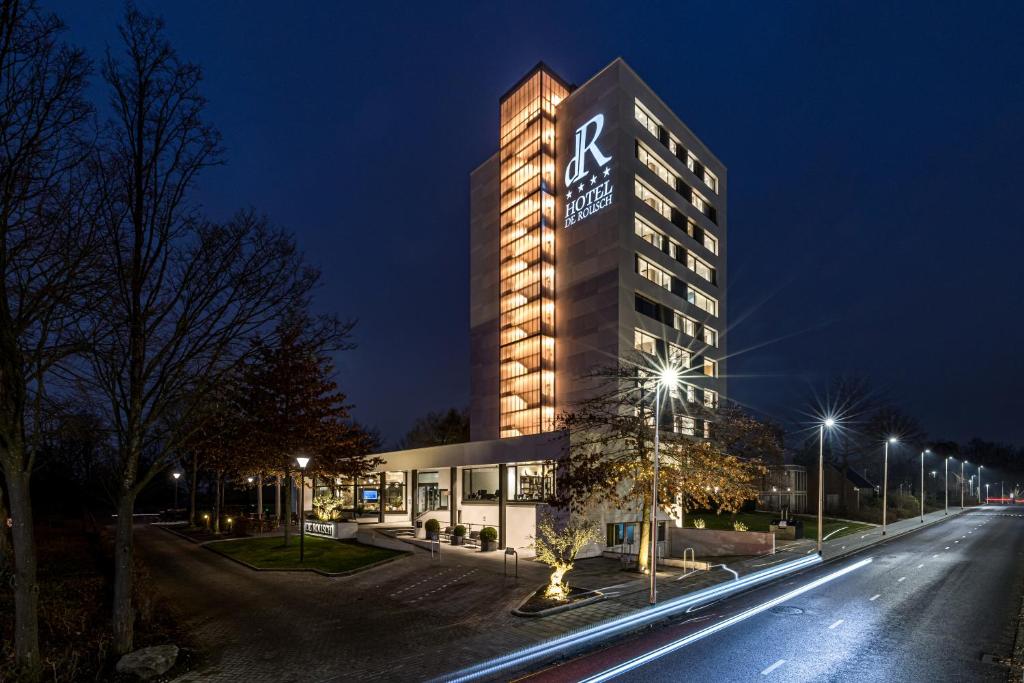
x: 593, y: 180
x: 581, y: 187
x: 607, y: 171
x: 568, y: 195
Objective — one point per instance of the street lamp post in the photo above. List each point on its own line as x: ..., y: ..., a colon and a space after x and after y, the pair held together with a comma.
x: 922, y: 483
x: 980, y: 468
x: 986, y: 494
x: 302, y: 506
x: 829, y: 422
x: 962, y: 463
x: 885, y: 481
x: 947, y: 485
x: 249, y: 479
x: 668, y: 377
x: 176, y: 475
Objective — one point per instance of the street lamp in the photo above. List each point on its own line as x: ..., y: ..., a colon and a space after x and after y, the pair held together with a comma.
x: 828, y: 422
x: 302, y: 506
x: 177, y: 476
x: 922, y: 483
x: 962, y: 463
x: 668, y: 377
x: 980, y: 468
x: 986, y: 494
x: 947, y: 486
x: 250, y: 480
x: 885, y: 480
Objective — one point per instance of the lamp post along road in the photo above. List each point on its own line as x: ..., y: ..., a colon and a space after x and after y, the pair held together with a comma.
x: 302, y: 507
x: 922, y: 483
x: 947, y: 485
x: 885, y: 482
x: 821, y: 476
x: 980, y: 468
x: 668, y: 377
x: 177, y: 476
x: 962, y: 463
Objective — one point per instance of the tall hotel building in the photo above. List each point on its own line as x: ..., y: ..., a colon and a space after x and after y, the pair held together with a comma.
x: 597, y: 234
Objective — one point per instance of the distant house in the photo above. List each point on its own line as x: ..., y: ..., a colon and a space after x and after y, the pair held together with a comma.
x: 842, y: 494
x: 784, y: 486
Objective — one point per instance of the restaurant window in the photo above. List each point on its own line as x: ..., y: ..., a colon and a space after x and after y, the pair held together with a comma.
x: 368, y: 493
x: 531, y: 481
x: 394, y: 492
x: 480, y: 483
x: 628, y: 533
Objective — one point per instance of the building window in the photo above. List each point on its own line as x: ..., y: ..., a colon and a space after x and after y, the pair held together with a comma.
x: 531, y: 481
x: 691, y: 393
x: 394, y: 492
x: 368, y: 494
x: 701, y: 300
x: 652, y: 199
x: 710, y: 399
x: 709, y: 335
x: 655, y: 165
x: 646, y: 120
x: 707, y: 429
x: 684, y: 324
x: 711, y: 180
x: 648, y: 270
x: 678, y: 356
x: 710, y: 367
x: 647, y: 232
x: 645, y: 343
x: 710, y: 243
x: 700, y: 268
x: 683, y: 424
x: 628, y: 533
x: 480, y: 483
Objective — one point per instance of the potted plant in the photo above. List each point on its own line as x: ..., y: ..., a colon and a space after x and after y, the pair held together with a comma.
x: 459, y: 535
x: 433, y: 528
x: 488, y: 539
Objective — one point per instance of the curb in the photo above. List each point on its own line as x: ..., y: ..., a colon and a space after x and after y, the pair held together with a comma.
x: 208, y: 545
x: 597, y: 596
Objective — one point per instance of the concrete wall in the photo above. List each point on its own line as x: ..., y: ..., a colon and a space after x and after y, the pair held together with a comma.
x: 715, y: 543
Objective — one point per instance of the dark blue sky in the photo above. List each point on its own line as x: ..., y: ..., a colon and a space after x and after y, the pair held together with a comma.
x: 874, y: 155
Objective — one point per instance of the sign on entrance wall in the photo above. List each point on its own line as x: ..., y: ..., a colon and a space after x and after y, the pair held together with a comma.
x: 325, y: 529
x: 588, y: 174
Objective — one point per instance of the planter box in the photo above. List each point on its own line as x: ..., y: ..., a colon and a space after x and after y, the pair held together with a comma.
x: 488, y: 546
x: 335, y: 530
x: 458, y: 540
x: 715, y: 543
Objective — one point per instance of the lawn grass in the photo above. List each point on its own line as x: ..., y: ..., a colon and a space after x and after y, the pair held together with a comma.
x: 759, y: 521
x: 321, y: 553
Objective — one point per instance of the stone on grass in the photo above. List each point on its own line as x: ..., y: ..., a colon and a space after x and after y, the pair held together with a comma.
x: 149, y: 661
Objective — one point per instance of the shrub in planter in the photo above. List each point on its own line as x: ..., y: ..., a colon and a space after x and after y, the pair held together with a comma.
x: 699, y: 523
x: 433, y: 528
x: 739, y: 526
x: 458, y: 535
x: 488, y: 539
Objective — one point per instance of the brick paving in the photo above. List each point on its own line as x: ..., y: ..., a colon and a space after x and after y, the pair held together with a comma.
x: 408, y: 620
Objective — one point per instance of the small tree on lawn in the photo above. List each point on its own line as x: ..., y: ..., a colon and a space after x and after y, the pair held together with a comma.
x: 557, y: 547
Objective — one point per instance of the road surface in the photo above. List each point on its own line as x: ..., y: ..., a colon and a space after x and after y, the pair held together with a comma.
x: 940, y: 604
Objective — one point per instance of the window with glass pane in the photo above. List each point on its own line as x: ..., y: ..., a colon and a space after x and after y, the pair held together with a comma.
x: 710, y: 368
x: 394, y: 492
x: 710, y: 336
x: 678, y: 356
x: 645, y: 342
x: 683, y: 424
x: 480, y: 484
x: 531, y: 481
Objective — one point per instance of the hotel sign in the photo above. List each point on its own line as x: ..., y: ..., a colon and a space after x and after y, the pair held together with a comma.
x: 326, y: 529
x: 587, y: 191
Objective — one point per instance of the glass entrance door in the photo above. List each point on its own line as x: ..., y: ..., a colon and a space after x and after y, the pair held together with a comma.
x: 428, y: 497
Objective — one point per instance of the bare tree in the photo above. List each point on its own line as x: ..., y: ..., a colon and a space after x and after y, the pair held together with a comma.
x: 183, y: 295
x: 558, y: 546
x: 44, y: 243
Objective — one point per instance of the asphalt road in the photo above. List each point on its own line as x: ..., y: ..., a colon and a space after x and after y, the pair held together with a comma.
x: 934, y: 605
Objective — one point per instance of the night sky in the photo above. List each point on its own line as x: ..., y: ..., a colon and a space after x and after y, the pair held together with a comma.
x: 874, y: 155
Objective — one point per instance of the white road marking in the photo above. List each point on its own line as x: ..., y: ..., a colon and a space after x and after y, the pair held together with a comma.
x: 773, y: 667
x: 874, y: 597
x: 901, y: 579
x: 835, y: 624
x: 956, y: 541
x: 935, y: 555
x: 947, y: 547
x: 919, y: 566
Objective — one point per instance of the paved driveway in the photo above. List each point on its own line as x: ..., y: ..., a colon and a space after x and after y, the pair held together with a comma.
x: 403, y: 621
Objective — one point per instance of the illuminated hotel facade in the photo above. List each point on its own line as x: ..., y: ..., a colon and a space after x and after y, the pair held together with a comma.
x: 597, y: 234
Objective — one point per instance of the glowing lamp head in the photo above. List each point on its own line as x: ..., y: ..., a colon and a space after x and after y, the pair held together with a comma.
x: 892, y: 439
x: 176, y: 475
x: 302, y: 462
x: 830, y: 422
x: 249, y: 479
x: 669, y: 376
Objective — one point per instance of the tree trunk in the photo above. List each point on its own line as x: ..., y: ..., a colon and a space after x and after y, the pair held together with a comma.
x: 645, y: 535
x: 26, y: 590
x: 124, y: 619
x: 216, y: 503
x: 277, y: 498
x: 192, y: 490
x: 287, y: 506
x: 259, y: 497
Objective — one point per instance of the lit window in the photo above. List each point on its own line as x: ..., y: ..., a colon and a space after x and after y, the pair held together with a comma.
x: 700, y: 268
x: 707, y: 429
x: 646, y: 120
x: 645, y: 343
x: 655, y: 165
x: 710, y: 399
x: 683, y: 424
x: 653, y: 200
x: 691, y: 393
x: 711, y: 180
x: 701, y: 300
x: 684, y: 324
x: 648, y: 270
x: 710, y: 367
x: 646, y: 232
x: 710, y: 243
x: 678, y: 356
x: 710, y: 336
